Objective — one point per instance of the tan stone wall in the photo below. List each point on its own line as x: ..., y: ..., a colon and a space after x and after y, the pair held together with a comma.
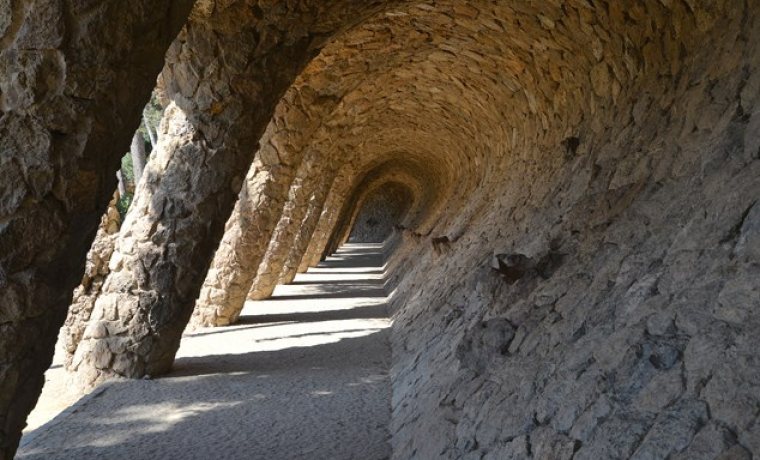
x: 598, y: 304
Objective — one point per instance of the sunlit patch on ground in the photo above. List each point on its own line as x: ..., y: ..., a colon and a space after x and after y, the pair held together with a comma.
x: 304, y: 371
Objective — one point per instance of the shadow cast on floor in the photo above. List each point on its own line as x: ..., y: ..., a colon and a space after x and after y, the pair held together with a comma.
x: 246, y: 406
x: 270, y: 320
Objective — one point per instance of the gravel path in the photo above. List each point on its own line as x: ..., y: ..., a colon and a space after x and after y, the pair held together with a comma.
x: 302, y: 376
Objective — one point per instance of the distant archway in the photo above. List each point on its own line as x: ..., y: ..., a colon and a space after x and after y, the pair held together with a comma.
x: 381, y: 211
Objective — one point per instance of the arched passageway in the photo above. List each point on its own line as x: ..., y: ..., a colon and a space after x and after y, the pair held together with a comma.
x: 381, y: 212
x: 576, y: 275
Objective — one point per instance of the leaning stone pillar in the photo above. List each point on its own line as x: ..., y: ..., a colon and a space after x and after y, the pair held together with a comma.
x: 215, y: 73
x: 162, y: 253
x: 317, y: 245
x: 351, y: 222
x: 243, y: 246
x: 327, y: 223
x: 342, y: 225
x: 306, y: 231
x: 248, y: 232
x: 285, y: 233
x: 306, y: 260
x: 72, y: 84
x: 95, y: 273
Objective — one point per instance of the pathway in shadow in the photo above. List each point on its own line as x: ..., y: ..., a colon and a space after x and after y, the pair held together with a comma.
x: 303, y: 375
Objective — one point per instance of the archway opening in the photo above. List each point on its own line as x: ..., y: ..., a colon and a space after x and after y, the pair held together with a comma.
x: 382, y: 211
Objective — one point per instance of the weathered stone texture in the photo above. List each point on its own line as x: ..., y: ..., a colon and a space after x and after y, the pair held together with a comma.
x: 335, y: 201
x: 306, y: 230
x: 640, y: 340
x: 215, y: 72
x: 95, y: 272
x: 73, y: 81
x: 575, y: 277
x: 284, y: 235
x: 243, y: 247
x: 379, y: 214
x: 327, y: 221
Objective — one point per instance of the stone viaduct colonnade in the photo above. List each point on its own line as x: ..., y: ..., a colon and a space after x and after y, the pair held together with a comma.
x: 577, y: 273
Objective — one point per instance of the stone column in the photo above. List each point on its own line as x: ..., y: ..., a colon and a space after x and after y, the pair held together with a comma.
x: 305, y: 233
x: 285, y: 233
x: 163, y: 250
x: 326, y: 226
x: 72, y: 84
x: 351, y: 222
x: 215, y: 74
x: 306, y: 260
x: 243, y: 246
x: 342, y: 224
x: 95, y: 273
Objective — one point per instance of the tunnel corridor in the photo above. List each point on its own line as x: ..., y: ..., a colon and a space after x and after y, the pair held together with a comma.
x: 568, y: 191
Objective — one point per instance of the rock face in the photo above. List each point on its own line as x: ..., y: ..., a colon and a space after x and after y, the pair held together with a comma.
x: 72, y: 84
x: 618, y: 318
x: 576, y: 268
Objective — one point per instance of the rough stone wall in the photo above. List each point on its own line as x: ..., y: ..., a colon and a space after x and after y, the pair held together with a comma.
x: 576, y: 278
x: 379, y: 213
x: 73, y: 81
x: 605, y: 303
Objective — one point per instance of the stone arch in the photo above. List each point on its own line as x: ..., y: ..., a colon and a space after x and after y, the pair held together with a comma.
x: 214, y: 73
x: 600, y: 130
x: 425, y: 190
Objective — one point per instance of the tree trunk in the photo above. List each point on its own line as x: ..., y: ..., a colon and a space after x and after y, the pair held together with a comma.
x: 138, y: 156
x: 122, y: 187
x: 151, y: 134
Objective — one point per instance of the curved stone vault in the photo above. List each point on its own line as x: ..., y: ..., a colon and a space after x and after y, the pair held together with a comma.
x: 572, y: 188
